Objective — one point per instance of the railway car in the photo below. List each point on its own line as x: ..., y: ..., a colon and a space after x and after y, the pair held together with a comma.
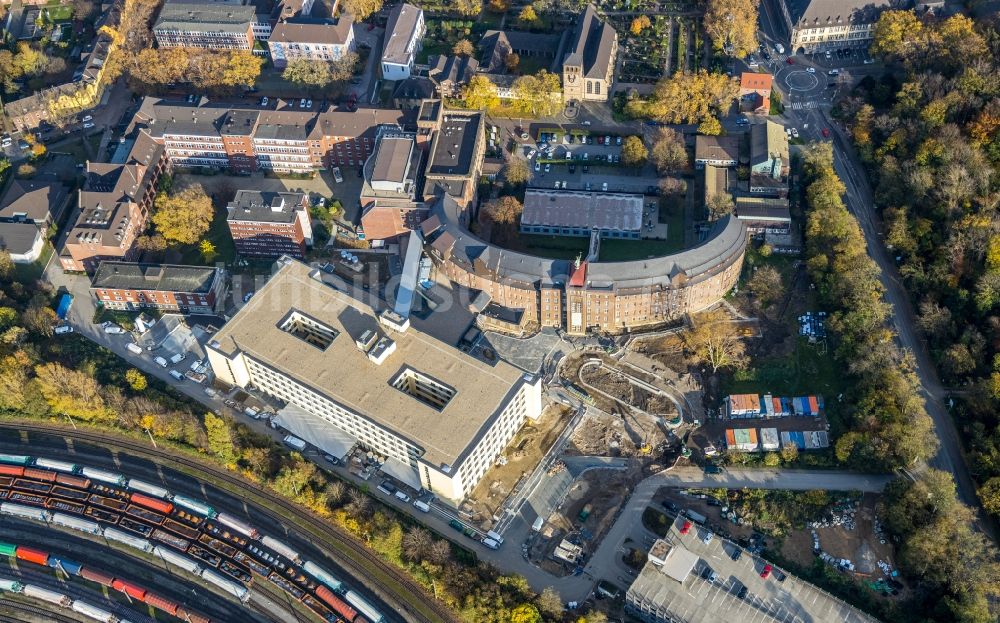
x: 362, y: 604
x: 96, y: 575
x: 26, y: 498
x: 65, y: 505
x: 192, y: 617
x: 281, y: 548
x: 93, y: 612
x: 132, y: 590
x: 30, y: 554
x: 15, y: 459
x: 73, y: 481
x: 194, y: 505
x: 338, y: 605
x: 150, y: 502
x: 103, y: 476
x: 67, y: 565
x: 234, y: 589
x: 147, y: 488
x: 12, y: 470
x: 72, y: 494
x: 11, y: 586
x: 238, y: 525
x: 39, y: 474
x: 161, y: 603
x: 46, y: 595
x: 8, y: 549
x: 19, y: 510
x: 170, y: 539
x: 59, y: 466
x: 114, y: 534
x: 69, y: 521
x: 177, y: 560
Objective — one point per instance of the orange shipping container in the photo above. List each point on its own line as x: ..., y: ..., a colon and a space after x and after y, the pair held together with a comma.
x: 813, y: 405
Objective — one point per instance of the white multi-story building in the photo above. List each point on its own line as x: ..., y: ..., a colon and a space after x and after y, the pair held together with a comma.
x: 817, y: 25
x: 403, y: 34
x: 439, y: 416
x: 317, y: 41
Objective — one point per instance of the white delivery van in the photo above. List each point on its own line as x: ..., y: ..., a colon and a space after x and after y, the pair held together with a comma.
x: 490, y: 543
x: 160, y: 361
x: 422, y: 506
x: 134, y: 348
x: 179, y: 357
x: 250, y: 411
x: 294, y: 443
x: 177, y: 375
x: 402, y: 497
x: 496, y: 537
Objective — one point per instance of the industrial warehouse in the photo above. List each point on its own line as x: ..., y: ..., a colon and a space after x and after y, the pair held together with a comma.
x: 355, y: 375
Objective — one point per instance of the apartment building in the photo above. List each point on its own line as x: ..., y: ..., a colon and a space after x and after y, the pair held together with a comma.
x: 438, y: 416
x: 455, y: 162
x: 270, y: 224
x: 769, y: 150
x: 313, y: 40
x: 403, y: 34
x: 215, y: 25
x: 817, y: 25
x: 716, y: 151
x: 589, y: 66
x: 167, y: 287
x: 114, y: 206
x: 245, y: 140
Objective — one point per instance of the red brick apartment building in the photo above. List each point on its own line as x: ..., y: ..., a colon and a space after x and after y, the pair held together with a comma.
x: 168, y: 287
x: 114, y: 207
x: 270, y: 224
x: 287, y: 140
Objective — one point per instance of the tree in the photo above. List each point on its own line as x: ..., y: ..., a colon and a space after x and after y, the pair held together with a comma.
x: 719, y: 205
x: 463, y: 47
x: 716, y: 341
x: 136, y: 380
x: 527, y: 16
x: 499, y: 6
x: 480, y: 93
x: 540, y: 94
x: 672, y: 185
x: 669, y: 153
x: 511, y: 61
x: 790, y: 453
x: 772, y: 459
x: 242, y: 68
x: 639, y: 24
x: 710, y: 126
x: 896, y: 33
x: 71, y: 392
x: 594, y: 616
x: 468, y: 7
x: 767, y: 286
x: 151, y: 243
x: 525, y: 613
x: 184, y: 217
x: 416, y: 543
x: 4, y: 165
x: 732, y: 26
x: 686, y: 97
x: 342, y: 69
x: 517, y: 171
x: 207, y: 250
x: 313, y: 73
x: 26, y: 171
x: 989, y: 493
x: 550, y: 602
x: 634, y: 152
x: 6, y: 265
x: 39, y: 318
x: 503, y: 210
x: 361, y: 9
x: 82, y: 9
x: 220, y: 438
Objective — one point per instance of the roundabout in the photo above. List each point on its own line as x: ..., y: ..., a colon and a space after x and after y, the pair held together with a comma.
x: 800, y: 81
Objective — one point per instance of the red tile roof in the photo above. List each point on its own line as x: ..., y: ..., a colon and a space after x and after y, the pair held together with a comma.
x: 755, y: 82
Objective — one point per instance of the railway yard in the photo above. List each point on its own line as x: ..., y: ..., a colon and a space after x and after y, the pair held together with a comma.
x: 224, y: 552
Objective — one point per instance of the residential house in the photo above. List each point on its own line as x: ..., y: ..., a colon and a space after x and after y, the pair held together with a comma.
x: 589, y: 65
x: 114, y: 206
x: 215, y: 25
x: 769, y: 150
x: 411, y: 92
x: 450, y: 73
x: 755, y: 92
x: 168, y: 287
x: 817, y: 25
x: 313, y: 40
x: 270, y: 224
x: 403, y: 34
x: 718, y: 151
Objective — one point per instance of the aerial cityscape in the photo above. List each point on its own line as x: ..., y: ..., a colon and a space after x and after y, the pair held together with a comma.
x: 466, y: 311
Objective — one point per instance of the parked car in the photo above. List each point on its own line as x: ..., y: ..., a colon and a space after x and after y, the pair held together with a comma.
x: 337, y: 177
x: 826, y: 132
x: 766, y: 572
x: 61, y: 329
x: 264, y: 101
x: 736, y: 554
x: 604, y: 186
x: 811, y: 70
x: 86, y: 126
x: 686, y: 527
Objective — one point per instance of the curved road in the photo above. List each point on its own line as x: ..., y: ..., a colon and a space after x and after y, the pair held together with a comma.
x: 341, y: 552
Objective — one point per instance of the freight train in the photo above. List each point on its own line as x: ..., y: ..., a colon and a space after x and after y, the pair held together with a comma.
x: 131, y: 499
x: 69, y: 567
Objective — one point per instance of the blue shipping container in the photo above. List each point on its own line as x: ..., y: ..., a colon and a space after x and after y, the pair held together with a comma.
x: 68, y: 566
x: 65, y: 302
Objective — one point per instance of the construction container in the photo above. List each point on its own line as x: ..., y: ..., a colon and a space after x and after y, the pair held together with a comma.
x: 769, y: 439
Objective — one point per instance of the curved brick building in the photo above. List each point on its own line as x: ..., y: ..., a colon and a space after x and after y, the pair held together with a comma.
x: 589, y: 296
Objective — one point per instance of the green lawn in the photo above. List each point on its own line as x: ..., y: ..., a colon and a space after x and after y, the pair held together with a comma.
x: 807, y: 370
x: 60, y: 13
x: 569, y: 247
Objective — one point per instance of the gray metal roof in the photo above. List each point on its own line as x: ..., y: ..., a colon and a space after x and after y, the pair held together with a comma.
x: 18, y: 238
x: 592, y: 43
x: 264, y: 207
x: 577, y: 208
x: 161, y: 277
x: 399, y: 30
x: 826, y: 13
x: 205, y: 17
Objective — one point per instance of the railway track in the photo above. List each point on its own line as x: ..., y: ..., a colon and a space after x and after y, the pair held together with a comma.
x: 42, y: 613
x: 327, y: 535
